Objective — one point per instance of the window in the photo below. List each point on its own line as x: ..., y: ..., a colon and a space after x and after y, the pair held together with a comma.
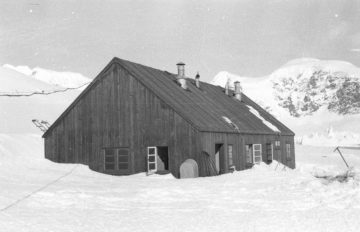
x: 116, y: 159
x: 230, y: 155
x: 109, y: 159
x: 288, y: 151
x: 123, y: 159
x: 277, y: 143
x: 248, y: 153
x: 257, y: 153
x: 269, y: 152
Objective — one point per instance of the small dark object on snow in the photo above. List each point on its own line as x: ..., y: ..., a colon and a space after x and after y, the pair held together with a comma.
x: 342, y: 178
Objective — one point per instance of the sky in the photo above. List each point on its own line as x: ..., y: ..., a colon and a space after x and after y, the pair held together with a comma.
x: 244, y: 37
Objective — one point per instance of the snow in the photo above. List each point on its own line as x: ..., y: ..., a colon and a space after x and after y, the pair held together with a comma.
x: 309, y: 129
x: 266, y: 197
x: 303, y: 65
x: 61, y: 79
x: 15, y: 82
x: 16, y: 113
x: 39, y: 195
x: 227, y: 119
x: 267, y: 123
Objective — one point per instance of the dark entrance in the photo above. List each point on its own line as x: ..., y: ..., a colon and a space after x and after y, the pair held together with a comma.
x: 277, y: 151
x: 219, y: 158
x: 163, y: 160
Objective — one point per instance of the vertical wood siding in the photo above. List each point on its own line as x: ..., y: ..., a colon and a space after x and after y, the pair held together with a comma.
x: 209, y: 139
x: 120, y: 112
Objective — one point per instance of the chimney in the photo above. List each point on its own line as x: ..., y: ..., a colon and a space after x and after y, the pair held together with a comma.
x: 227, y: 87
x: 181, y: 75
x: 237, y: 92
x: 197, y: 80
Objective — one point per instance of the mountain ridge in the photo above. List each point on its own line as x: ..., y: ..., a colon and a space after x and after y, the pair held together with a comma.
x: 55, y: 78
x: 308, y: 95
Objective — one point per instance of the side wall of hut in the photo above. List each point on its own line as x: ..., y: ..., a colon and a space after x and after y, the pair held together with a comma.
x: 119, y: 112
x: 238, y: 142
x: 99, y: 119
x: 279, y: 149
x: 157, y: 124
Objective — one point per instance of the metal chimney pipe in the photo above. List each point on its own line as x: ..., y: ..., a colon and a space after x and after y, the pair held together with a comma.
x: 237, y: 92
x: 197, y: 80
x: 181, y: 75
x: 227, y: 87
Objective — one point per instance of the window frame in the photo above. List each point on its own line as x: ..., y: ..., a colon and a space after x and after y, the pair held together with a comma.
x: 154, y: 162
x: 117, y: 161
x: 122, y: 162
x: 230, y: 157
x: 288, y: 151
x: 277, y: 143
x: 107, y: 162
x: 271, y: 150
x: 248, y: 154
x: 257, y: 150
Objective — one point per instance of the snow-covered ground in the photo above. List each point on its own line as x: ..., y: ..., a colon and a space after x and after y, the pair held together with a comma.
x: 39, y: 195
x: 265, y: 198
x: 16, y: 113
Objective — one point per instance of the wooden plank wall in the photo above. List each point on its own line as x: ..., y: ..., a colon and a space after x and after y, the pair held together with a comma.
x: 156, y: 124
x: 98, y: 120
x: 263, y: 140
x: 121, y: 112
x: 209, y: 139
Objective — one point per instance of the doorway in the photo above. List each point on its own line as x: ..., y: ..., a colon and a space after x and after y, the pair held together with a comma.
x: 219, y: 158
x: 162, y: 159
x: 157, y: 160
x: 277, y: 150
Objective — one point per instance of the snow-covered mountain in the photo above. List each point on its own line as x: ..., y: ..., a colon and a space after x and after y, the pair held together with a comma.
x: 304, y: 86
x: 17, y: 112
x: 61, y: 79
x: 311, y: 96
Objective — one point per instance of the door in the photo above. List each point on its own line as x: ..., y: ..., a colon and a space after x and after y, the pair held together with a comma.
x: 277, y: 151
x: 257, y: 156
x: 219, y: 158
x: 269, y: 153
x: 162, y: 160
x: 151, y: 160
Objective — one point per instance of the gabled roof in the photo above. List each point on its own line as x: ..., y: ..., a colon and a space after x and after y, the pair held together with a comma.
x: 208, y: 109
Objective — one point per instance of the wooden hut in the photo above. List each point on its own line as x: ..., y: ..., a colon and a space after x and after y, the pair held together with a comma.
x: 133, y: 118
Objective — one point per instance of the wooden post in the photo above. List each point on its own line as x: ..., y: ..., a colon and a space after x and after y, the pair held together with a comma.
x: 341, y: 156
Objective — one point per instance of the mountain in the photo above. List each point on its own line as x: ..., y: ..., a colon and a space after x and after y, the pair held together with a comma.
x: 303, y: 86
x: 311, y: 96
x: 16, y: 82
x: 55, y: 78
x: 17, y: 111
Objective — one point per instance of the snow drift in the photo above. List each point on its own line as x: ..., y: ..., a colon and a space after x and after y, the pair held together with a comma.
x: 39, y: 195
x: 17, y: 112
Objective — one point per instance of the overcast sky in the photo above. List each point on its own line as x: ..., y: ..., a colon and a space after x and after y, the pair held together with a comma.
x: 248, y: 38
